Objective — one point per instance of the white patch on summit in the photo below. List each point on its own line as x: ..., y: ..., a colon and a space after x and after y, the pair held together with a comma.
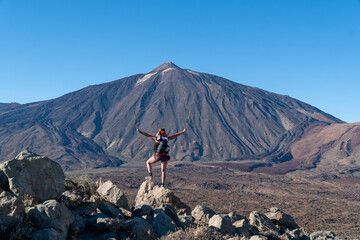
x: 144, y: 78
x: 168, y: 69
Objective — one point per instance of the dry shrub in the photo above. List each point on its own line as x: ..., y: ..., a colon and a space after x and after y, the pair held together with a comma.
x: 28, y: 200
x: 181, y: 234
x: 207, y: 233
x: 83, y: 185
x: 198, y: 233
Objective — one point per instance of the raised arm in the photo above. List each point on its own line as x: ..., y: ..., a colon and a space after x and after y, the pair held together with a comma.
x: 177, y: 134
x: 146, y: 134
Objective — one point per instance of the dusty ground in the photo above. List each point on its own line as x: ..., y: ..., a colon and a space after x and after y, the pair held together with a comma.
x: 315, y: 205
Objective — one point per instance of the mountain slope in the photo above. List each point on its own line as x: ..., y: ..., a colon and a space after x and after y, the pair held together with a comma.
x: 329, y: 152
x: 94, y: 127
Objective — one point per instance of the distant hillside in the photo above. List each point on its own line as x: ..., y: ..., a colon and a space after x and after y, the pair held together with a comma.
x: 94, y: 127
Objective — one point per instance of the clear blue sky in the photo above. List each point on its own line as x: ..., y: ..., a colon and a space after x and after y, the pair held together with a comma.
x: 307, y: 49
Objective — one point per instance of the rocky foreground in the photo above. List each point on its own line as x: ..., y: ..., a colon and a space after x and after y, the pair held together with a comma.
x: 37, y: 202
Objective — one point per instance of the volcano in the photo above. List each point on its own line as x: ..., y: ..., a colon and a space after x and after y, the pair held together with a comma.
x: 94, y: 127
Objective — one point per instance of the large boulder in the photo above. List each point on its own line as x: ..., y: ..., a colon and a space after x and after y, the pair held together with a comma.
x: 280, y: 218
x: 12, y: 209
x: 35, y: 176
x: 51, y: 214
x: 154, y: 196
x: 202, y: 214
x: 140, y: 229
x: 263, y: 224
x: 162, y: 223
x: 113, y: 194
x: 222, y: 224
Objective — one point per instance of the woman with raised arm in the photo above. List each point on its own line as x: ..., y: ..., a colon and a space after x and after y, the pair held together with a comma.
x: 161, y: 149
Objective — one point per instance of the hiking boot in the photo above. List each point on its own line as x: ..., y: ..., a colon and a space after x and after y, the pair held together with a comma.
x: 149, y: 177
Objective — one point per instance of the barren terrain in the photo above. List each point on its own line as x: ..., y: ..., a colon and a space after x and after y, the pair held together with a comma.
x: 317, y: 205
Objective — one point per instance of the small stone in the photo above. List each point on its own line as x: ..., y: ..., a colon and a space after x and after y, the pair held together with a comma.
x: 113, y: 194
x: 202, y: 214
x: 51, y: 214
x: 141, y: 229
x: 110, y: 210
x: 222, y: 223
x: 263, y: 224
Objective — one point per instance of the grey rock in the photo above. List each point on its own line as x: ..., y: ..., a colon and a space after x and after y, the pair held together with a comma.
x: 143, y: 210
x: 154, y: 196
x: 113, y: 194
x: 87, y: 209
x: 162, y: 223
x: 323, y: 235
x: 222, y: 224
x: 36, y: 176
x: 235, y: 217
x: 101, y: 223
x: 242, y: 224
x: 263, y: 224
x: 280, y: 218
x: 171, y: 212
x: 140, y: 229
x: 110, y: 210
x: 51, y: 214
x: 47, y: 234
x: 202, y: 214
x: 12, y: 209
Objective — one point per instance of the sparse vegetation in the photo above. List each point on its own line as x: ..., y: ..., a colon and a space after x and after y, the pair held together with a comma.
x: 28, y: 200
x: 196, y: 233
x: 82, y: 185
